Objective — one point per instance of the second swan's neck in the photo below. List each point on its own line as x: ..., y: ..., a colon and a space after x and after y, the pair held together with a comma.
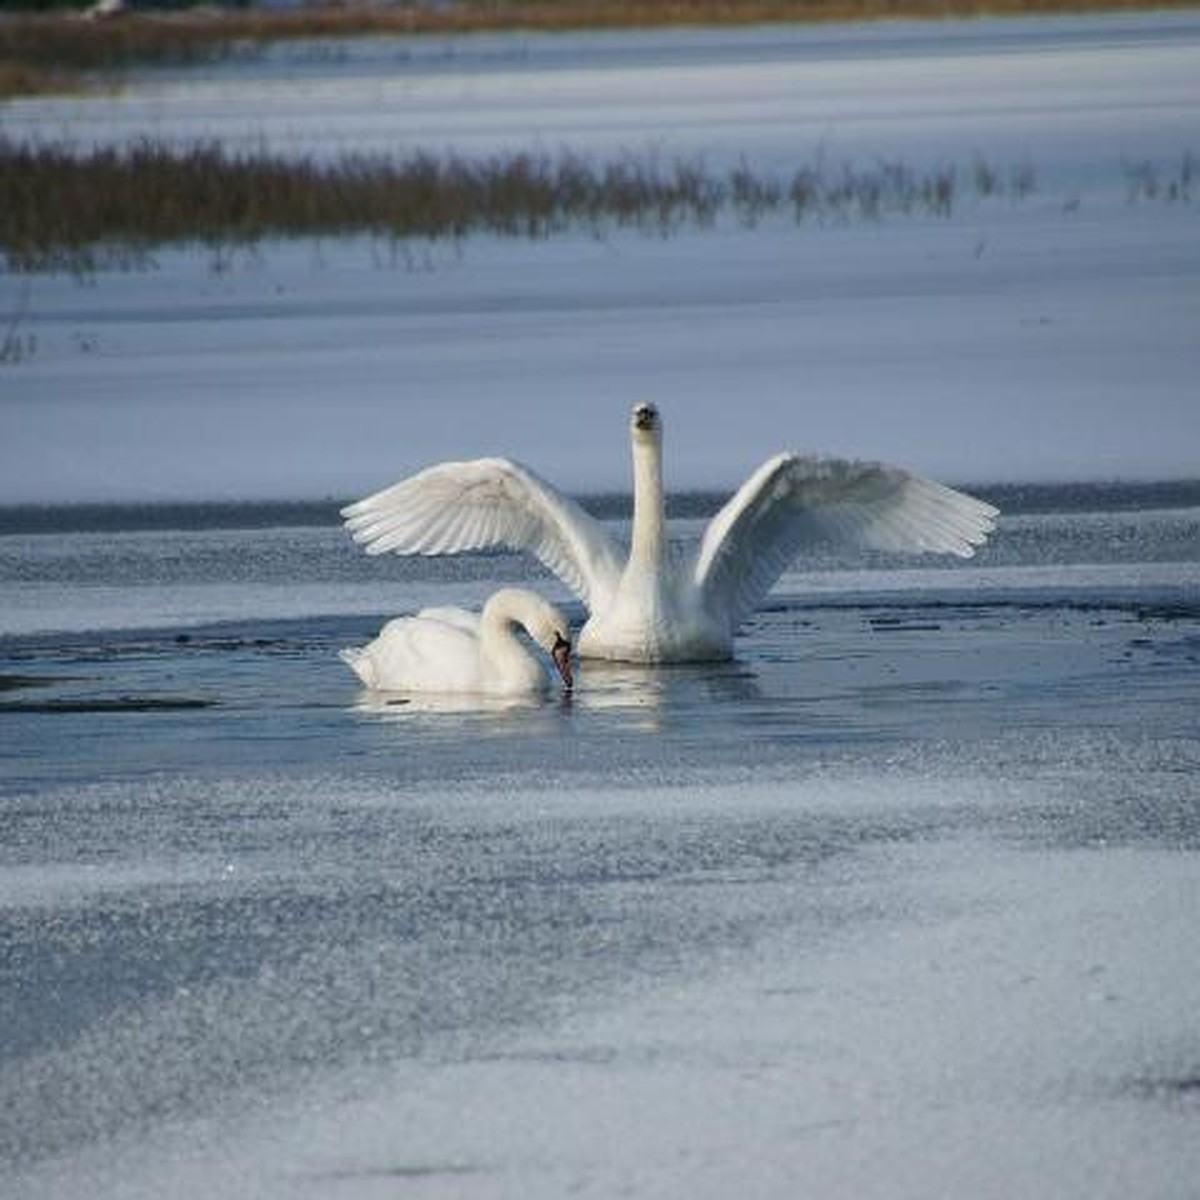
x: 649, y: 534
x: 504, y: 654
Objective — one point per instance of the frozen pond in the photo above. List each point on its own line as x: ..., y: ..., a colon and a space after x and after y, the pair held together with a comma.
x: 901, y: 902
x: 905, y: 894
x: 1048, y: 337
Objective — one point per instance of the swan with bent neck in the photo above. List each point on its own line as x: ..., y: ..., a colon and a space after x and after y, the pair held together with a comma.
x: 450, y: 650
x: 657, y: 603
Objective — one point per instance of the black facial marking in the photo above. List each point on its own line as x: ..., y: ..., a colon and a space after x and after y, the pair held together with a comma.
x: 645, y: 416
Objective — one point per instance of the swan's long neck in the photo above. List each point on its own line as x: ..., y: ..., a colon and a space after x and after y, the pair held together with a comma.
x: 649, y: 519
x: 507, y: 657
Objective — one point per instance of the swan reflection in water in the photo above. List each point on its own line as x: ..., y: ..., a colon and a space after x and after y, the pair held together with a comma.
x: 603, y: 685
x: 400, y: 706
x: 636, y: 695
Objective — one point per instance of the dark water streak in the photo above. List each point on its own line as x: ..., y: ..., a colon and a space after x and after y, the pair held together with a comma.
x: 1010, y: 498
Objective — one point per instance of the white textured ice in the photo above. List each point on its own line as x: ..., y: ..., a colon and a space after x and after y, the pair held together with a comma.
x: 945, y: 1017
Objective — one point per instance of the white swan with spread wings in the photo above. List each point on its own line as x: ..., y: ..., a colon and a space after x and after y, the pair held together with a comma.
x: 655, y: 604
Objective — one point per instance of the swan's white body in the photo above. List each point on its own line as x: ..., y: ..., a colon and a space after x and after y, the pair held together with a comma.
x: 453, y: 651
x: 656, y: 605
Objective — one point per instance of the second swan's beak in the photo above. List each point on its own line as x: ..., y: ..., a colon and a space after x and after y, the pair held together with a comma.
x: 562, y: 660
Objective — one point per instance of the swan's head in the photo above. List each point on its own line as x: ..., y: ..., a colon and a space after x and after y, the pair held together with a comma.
x: 552, y: 631
x: 645, y: 424
x: 561, y: 653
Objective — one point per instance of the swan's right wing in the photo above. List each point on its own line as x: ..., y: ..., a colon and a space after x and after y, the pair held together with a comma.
x: 794, y: 501
x: 485, y: 504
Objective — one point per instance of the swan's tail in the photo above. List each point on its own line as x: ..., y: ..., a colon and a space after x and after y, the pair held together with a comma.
x: 359, y: 661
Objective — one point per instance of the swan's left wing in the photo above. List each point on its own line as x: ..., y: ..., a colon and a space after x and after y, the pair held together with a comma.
x: 794, y: 501
x: 485, y: 504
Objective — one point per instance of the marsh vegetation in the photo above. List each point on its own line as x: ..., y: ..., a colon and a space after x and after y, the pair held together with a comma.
x: 113, y: 206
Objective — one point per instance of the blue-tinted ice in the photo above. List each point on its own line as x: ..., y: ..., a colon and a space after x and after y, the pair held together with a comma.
x: 920, y: 863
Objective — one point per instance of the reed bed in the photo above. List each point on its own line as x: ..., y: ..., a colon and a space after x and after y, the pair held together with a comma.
x: 41, y: 51
x: 113, y: 206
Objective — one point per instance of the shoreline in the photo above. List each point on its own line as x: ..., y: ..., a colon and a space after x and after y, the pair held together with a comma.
x: 67, y: 51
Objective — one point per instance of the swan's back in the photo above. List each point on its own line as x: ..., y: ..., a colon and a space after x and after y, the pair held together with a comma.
x: 425, y: 653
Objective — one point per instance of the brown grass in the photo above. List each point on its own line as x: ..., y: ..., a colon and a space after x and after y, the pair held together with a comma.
x: 65, y: 209
x: 40, y: 52
x: 62, y: 208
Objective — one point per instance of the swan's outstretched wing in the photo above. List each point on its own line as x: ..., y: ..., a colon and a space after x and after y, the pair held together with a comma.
x: 793, y: 501
x: 486, y: 504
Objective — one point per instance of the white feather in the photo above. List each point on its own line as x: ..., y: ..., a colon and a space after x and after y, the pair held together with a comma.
x: 649, y: 606
x: 487, y: 504
x: 450, y: 651
x: 792, y: 503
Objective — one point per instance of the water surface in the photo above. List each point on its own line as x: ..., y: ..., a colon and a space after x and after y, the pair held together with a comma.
x: 261, y: 931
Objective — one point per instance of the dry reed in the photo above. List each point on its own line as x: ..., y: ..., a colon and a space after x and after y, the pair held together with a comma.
x: 65, y: 209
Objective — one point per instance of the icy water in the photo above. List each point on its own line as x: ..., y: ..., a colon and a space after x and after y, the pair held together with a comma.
x: 901, y: 902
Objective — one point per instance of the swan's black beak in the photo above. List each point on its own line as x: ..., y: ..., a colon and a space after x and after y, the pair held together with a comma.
x: 562, y: 660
